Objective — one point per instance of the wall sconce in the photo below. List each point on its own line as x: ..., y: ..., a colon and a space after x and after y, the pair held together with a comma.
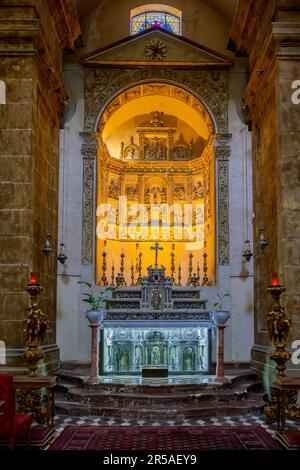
x: 47, y: 248
x: 262, y: 242
x: 247, y: 253
x: 62, y: 257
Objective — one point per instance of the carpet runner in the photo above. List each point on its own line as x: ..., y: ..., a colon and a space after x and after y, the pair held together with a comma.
x: 164, y: 438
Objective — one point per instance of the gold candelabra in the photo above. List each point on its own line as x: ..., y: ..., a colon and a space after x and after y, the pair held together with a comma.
x: 279, y: 326
x: 35, y: 325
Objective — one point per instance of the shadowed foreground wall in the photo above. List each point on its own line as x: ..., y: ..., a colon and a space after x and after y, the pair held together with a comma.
x: 273, y: 46
x: 32, y: 39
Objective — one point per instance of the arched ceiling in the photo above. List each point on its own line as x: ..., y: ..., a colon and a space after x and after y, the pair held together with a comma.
x: 146, y: 104
x: 133, y: 108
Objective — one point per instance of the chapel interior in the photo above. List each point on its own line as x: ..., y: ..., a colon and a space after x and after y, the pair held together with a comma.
x: 150, y: 222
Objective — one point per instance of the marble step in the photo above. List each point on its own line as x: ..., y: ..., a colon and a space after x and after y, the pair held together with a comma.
x: 161, y: 400
x: 250, y: 406
x: 76, y: 378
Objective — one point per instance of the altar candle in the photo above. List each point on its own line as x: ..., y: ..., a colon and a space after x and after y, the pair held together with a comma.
x: 32, y: 279
x: 274, y: 280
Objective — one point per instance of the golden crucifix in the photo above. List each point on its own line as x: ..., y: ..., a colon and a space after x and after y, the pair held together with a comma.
x: 156, y: 247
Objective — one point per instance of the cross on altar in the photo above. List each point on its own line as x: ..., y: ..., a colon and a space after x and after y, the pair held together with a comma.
x: 156, y: 247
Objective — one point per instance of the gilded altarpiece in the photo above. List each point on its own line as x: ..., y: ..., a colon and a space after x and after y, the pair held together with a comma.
x: 209, y: 87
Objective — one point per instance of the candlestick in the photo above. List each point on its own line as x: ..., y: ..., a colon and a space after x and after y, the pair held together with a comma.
x: 104, y: 278
x: 33, y: 279
x: 132, y: 274
x: 179, y: 275
x: 190, y: 268
x: 113, y: 274
x: 205, y: 278
x: 173, y: 264
x: 274, y: 280
x: 279, y: 327
x: 35, y: 325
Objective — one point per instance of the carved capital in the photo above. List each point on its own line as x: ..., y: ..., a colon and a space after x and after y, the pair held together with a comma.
x: 89, y: 147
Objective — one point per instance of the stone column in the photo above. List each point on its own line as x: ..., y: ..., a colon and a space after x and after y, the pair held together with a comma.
x: 31, y: 108
x: 94, y: 354
x: 220, y: 374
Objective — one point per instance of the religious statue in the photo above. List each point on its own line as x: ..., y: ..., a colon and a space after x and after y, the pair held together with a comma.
x: 157, y: 119
x: 113, y: 189
x: 179, y: 192
x: 132, y: 193
x: 156, y: 299
x: 198, y: 191
x: 163, y: 196
x: 147, y: 196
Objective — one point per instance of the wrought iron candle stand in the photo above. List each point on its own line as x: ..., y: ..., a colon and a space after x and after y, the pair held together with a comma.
x: 140, y: 265
x: 190, y: 269
x: 279, y: 326
x: 205, y: 268
x: 173, y: 265
x: 132, y: 274
x: 113, y: 275
x: 35, y: 325
x: 104, y: 277
x: 179, y: 275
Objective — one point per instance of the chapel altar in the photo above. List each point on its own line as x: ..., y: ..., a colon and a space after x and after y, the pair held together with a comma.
x: 156, y: 324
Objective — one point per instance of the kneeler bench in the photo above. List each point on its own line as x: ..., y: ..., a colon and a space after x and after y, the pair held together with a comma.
x: 35, y: 395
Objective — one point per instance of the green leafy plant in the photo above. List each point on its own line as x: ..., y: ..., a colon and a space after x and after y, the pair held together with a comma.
x: 220, y: 299
x: 97, y: 300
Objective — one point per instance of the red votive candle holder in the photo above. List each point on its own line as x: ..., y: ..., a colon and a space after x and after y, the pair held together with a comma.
x: 32, y: 279
x: 275, y: 280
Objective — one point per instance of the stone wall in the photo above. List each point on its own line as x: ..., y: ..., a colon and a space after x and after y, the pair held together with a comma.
x: 30, y: 57
x: 273, y: 46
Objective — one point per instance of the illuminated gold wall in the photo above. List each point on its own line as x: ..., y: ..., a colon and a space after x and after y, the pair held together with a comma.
x: 182, y: 174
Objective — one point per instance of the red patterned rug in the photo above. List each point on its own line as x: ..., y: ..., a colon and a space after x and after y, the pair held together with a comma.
x: 164, y: 438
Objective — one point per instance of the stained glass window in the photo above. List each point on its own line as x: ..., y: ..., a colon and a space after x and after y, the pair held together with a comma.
x: 152, y: 19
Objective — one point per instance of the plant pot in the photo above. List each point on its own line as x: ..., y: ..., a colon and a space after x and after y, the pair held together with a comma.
x: 95, y: 317
x: 220, y: 317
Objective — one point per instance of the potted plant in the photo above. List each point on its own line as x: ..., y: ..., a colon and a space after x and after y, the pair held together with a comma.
x: 219, y: 315
x: 97, y: 302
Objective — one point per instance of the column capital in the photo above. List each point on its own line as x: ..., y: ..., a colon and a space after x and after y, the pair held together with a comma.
x: 89, y: 149
x: 222, y: 152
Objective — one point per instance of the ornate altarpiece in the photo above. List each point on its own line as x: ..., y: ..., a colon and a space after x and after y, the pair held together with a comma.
x: 201, y: 72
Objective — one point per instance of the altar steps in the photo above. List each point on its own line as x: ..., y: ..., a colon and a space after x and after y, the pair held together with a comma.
x: 75, y: 397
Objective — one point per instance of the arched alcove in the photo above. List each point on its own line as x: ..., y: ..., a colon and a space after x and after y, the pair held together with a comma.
x: 156, y: 150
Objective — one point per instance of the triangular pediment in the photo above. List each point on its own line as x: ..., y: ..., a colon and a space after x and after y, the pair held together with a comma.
x: 156, y: 47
